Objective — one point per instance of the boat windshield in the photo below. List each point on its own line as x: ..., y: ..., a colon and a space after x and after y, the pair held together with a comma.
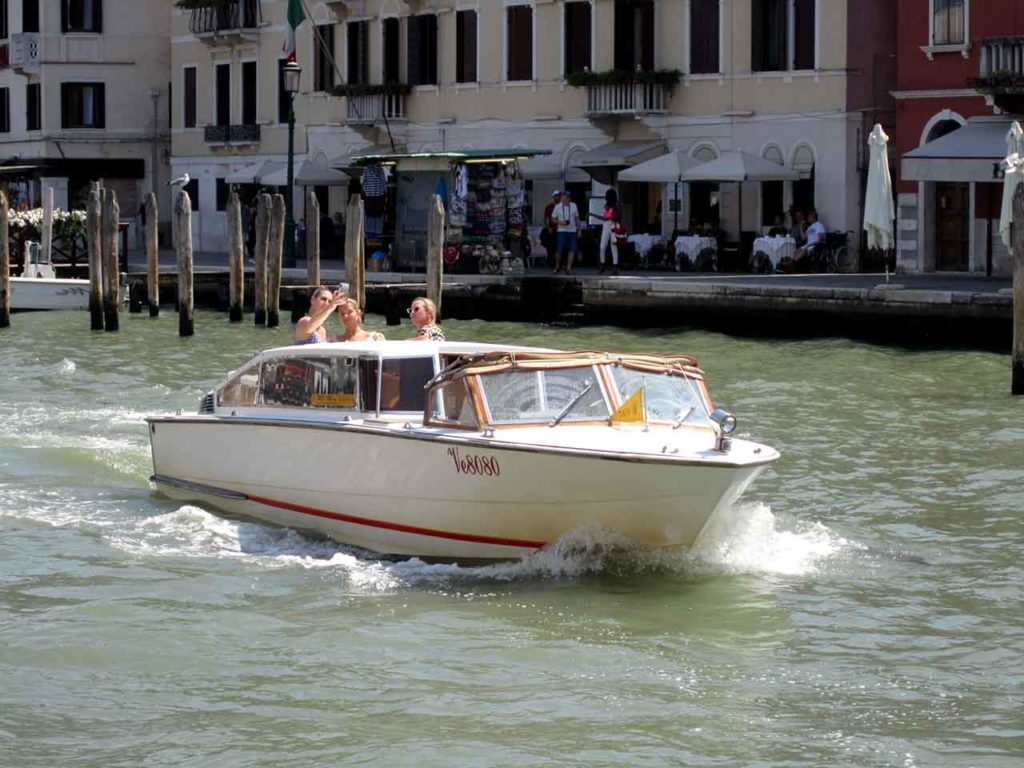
x: 666, y: 398
x: 530, y: 396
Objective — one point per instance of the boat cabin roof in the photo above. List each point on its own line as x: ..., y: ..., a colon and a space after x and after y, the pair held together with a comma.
x: 404, y: 349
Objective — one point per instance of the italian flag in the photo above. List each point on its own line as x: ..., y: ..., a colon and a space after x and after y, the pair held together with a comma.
x: 295, y: 17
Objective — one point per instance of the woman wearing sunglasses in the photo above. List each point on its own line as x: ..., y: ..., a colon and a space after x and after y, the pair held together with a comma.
x: 423, y: 313
x: 310, y: 329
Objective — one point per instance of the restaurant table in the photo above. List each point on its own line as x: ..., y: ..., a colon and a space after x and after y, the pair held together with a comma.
x: 775, y: 248
x: 643, y: 245
x: 691, y: 246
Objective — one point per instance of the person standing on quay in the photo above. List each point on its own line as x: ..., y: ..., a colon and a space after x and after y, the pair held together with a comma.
x: 609, y: 217
x: 567, y: 217
x: 547, y: 233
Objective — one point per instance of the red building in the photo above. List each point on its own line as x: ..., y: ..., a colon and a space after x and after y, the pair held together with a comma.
x: 960, y: 78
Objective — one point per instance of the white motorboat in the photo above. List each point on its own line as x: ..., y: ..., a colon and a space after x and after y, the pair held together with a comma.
x: 39, y: 288
x: 459, y: 451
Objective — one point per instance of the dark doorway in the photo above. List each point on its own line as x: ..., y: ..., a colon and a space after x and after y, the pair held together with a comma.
x: 952, y: 217
x: 704, y: 210
x: 634, y: 35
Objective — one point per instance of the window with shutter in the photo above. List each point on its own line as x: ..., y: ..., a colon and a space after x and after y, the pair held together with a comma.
x: 30, y: 15
x: 222, y: 84
x: 81, y: 15
x: 82, y: 105
x: 465, y: 47
x: 189, y: 91
x: 5, y: 110
x: 357, y: 36
x: 804, y: 34
x: 421, y: 51
x: 323, y: 57
x: 577, y: 37
x: 519, y: 43
x: 33, y: 107
x: 634, y: 35
x: 704, y: 37
x: 249, y: 86
x: 768, y: 36
x: 948, y: 22
x: 389, y: 32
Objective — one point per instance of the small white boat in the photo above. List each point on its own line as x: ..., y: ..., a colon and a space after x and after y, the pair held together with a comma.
x: 40, y: 288
x: 459, y: 451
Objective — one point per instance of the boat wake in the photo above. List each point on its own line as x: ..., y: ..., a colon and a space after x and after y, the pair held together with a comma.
x: 745, y: 539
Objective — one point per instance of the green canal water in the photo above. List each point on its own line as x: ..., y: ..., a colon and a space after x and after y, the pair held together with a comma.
x: 860, y: 607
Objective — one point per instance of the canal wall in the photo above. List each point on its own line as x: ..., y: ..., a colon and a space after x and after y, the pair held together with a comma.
x: 915, y: 309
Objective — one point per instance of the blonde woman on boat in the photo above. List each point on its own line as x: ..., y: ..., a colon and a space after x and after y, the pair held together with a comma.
x: 351, y: 317
x: 310, y: 329
x: 423, y: 313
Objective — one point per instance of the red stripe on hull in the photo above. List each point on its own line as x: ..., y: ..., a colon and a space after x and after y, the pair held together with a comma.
x: 397, y: 526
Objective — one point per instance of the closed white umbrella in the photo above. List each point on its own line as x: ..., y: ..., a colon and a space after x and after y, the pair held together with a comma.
x: 1012, y: 166
x: 879, y: 210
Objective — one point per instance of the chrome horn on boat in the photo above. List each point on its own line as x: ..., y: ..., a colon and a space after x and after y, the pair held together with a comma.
x: 726, y: 424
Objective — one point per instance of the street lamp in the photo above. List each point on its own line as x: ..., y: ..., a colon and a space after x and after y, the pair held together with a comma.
x: 291, y: 72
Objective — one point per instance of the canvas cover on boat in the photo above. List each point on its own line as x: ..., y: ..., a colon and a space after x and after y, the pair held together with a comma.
x: 491, y: 362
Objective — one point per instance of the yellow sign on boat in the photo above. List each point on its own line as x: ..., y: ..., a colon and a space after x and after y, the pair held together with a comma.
x: 334, y: 400
x: 632, y: 409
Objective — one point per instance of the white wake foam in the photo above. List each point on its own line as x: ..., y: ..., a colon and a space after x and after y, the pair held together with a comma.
x: 744, y: 539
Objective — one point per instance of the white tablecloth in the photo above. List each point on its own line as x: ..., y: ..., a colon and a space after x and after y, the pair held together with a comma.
x: 692, y: 245
x: 644, y: 243
x: 776, y: 248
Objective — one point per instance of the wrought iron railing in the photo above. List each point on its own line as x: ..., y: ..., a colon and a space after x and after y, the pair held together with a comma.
x: 225, y: 15
x: 630, y: 98
x: 226, y: 134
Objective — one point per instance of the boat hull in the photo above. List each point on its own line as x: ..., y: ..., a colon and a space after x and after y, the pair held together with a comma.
x: 28, y: 293
x: 406, y: 493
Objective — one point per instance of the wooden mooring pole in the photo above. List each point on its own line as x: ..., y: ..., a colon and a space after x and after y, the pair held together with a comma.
x: 47, y: 231
x: 312, y: 239
x: 274, y: 255
x: 111, y: 267
x: 259, y: 280
x: 355, y: 256
x: 183, y: 244
x: 152, y: 254
x: 435, y: 252
x: 5, y: 265
x: 236, y: 255
x: 1017, y: 375
x: 94, y: 241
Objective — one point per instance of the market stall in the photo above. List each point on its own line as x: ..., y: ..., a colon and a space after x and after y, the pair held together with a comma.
x: 485, y: 197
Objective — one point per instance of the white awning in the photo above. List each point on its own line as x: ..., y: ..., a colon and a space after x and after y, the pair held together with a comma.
x: 601, y: 162
x: 967, y: 154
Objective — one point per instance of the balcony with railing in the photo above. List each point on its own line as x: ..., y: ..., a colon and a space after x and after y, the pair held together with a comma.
x: 375, y: 108
x: 225, y: 19
x: 627, y: 99
x: 231, y: 134
x: 24, y: 52
x: 1001, y: 72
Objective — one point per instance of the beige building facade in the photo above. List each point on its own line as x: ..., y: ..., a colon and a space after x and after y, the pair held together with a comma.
x: 84, y: 96
x: 796, y: 81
